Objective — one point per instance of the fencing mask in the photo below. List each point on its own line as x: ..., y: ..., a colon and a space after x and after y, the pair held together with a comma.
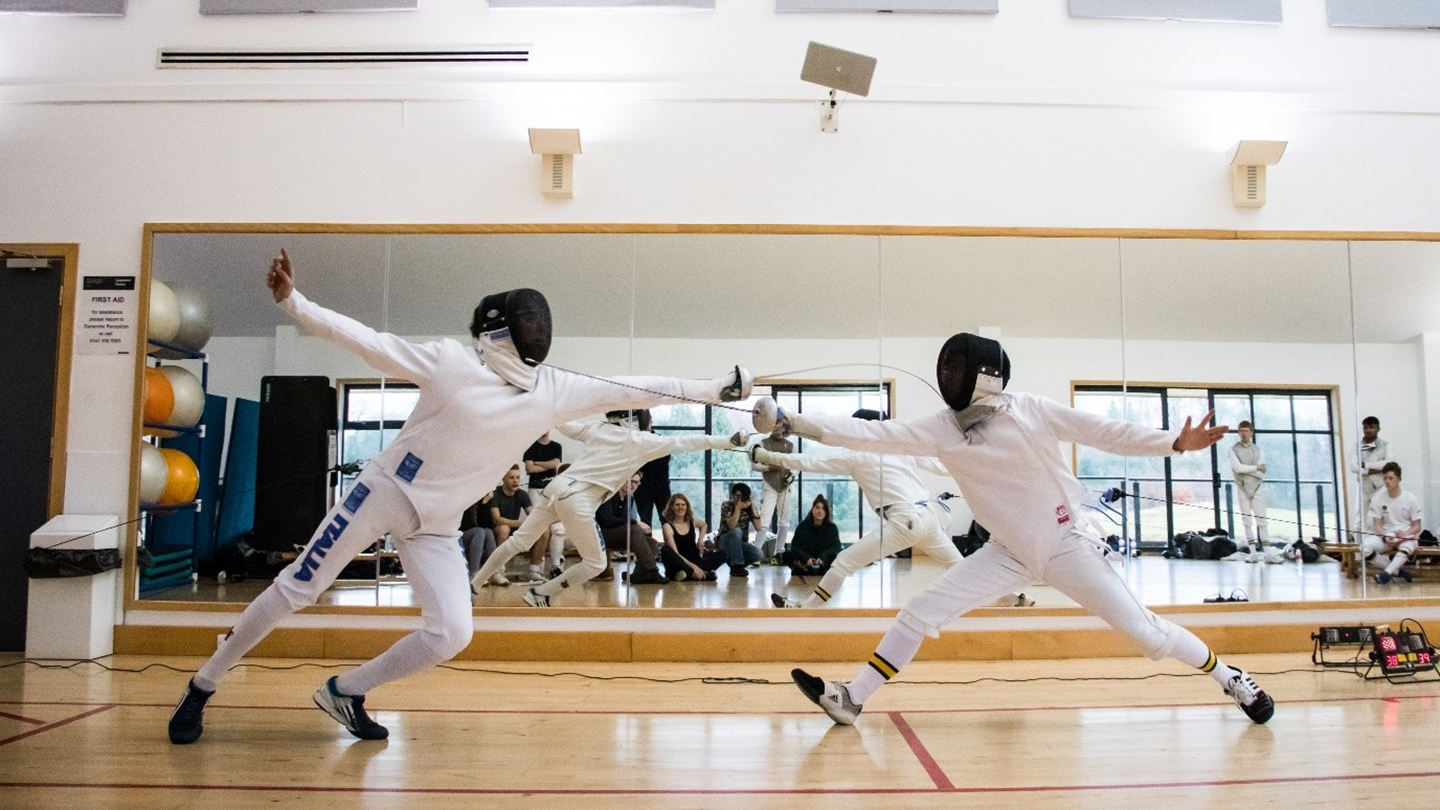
x: 519, y: 316
x: 971, y: 368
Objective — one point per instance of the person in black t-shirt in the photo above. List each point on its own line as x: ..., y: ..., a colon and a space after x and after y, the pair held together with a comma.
x: 508, y: 510
x: 542, y: 462
x: 654, y: 492
x: 477, y: 537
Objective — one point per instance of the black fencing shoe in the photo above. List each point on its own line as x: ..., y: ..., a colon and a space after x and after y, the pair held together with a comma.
x: 349, y: 711
x: 831, y: 696
x: 784, y: 601
x: 1250, y: 697
x: 185, y: 723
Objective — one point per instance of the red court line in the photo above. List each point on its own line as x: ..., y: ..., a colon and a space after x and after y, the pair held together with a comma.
x: 704, y: 713
x: 32, y: 721
x: 56, y: 724
x: 1276, y: 780
x: 937, y: 774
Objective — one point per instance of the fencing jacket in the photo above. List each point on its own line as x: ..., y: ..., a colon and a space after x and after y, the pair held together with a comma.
x: 1245, y: 461
x: 884, y: 479
x: 469, y: 426
x: 1009, y: 467
x: 613, y: 453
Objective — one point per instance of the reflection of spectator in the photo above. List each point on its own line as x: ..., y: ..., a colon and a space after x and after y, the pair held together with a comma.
x: 817, y: 541
x: 1395, y: 519
x: 1374, y: 455
x: 775, y: 491
x: 1247, y: 462
x: 681, y: 551
x: 620, y: 525
x: 737, y: 517
x: 508, y: 509
x: 654, y: 492
x: 478, y: 538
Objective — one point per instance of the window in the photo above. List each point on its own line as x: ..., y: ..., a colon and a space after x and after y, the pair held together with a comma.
x: 1195, y: 491
x: 370, y: 416
x: 705, y: 477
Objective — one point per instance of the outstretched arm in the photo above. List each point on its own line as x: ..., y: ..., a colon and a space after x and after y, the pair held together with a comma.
x: 836, y: 464
x: 579, y: 395
x: 383, y: 351
x: 1127, y: 438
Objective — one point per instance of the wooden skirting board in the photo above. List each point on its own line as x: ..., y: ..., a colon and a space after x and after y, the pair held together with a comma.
x: 620, y: 646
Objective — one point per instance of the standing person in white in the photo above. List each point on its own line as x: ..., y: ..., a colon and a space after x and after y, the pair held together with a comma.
x: 1003, y: 450
x: 1374, y: 455
x: 1395, y: 518
x: 1247, y: 463
x: 774, y: 494
x: 892, y: 487
x: 480, y: 406
x: 614, y: 450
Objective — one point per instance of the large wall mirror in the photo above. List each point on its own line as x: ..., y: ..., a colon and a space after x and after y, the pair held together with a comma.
x: 1302, y: 339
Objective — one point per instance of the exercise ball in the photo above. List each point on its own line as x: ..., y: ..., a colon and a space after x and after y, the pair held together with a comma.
x: 164, y: 312
x: 154, y: 473
x: 189, y: 396
x: 182, y: 478
x: 159, y: 396
x: 195, y: 322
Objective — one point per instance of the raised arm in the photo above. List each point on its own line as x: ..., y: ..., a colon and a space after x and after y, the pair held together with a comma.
x: 579, y: 395
x: 1125, y: 438
x: 383, y: 351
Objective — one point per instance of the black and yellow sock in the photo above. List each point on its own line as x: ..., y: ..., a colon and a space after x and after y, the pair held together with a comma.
x: 822, y: 593
x: 886, y: 669
x: 1210, y: 662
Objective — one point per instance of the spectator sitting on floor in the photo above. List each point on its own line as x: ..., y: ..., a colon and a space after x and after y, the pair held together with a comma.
x: 681, y: 551
x: 620, y: 526
x: 1395, y: 519
x: 816, y: 542
x: 737, y: 517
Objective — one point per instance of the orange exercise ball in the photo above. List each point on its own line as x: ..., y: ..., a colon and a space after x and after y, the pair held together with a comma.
x: 159, y: 396
x: 182, y: 478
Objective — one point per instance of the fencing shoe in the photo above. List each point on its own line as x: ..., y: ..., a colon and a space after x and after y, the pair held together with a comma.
x: 349, y: 711
x: 185, y: 723
x: 534, y: 598
x: 1250, y: 697
x: 784, y: 601
x: 831, y: 696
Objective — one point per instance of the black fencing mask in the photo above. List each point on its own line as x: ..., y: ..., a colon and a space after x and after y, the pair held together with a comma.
x: 522, y: 316
x: 971, y: 367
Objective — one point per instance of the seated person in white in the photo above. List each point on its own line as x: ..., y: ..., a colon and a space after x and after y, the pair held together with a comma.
x: 1395, y: 518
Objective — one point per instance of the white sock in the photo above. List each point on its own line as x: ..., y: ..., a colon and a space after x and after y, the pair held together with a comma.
x: 895, y: 650
x: 825, y: 591
x: 263, y: 614
x: 1191, y: 651
x: 1396, y: 563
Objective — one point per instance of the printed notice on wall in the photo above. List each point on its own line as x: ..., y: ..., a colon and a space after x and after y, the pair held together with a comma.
x: 106, y: 315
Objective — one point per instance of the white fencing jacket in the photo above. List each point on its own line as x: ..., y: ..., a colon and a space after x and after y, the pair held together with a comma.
x: 613, y: 453
x: 885, y: 480
x: 1009, y: 467
x: 469, y: 425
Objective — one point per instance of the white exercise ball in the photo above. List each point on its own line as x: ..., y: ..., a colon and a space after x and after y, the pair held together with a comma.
x: 164, y: 312
x: 196, y: 322
x: 189, y: 396
x: 154, y: 472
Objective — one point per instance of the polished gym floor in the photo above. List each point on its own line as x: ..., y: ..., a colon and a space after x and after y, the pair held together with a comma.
x: 84, y: 737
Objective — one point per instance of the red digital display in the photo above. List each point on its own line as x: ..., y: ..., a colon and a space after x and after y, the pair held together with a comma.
x: 1387, y: 643
x: 1392, y: 661
x: 1424, y: 657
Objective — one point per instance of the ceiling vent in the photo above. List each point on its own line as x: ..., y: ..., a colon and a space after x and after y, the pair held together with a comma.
x: 341, y: 57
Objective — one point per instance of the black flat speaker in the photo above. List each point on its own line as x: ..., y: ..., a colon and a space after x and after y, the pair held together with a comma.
x: 293, y: 456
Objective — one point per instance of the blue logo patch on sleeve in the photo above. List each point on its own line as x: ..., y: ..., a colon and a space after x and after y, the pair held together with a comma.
x: 357, y: 496
x: 409, y: 467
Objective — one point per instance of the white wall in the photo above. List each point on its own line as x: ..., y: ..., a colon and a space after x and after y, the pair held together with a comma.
x: 1028, y: 118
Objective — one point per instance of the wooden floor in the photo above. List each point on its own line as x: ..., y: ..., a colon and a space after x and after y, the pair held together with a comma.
x: 85, y: 738
x: 889, y: 583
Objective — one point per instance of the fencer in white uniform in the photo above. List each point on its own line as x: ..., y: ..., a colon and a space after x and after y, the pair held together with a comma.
x: 480, y: 406
x: 614, y: 450
x: 892, y: 487
x: 1247, y: 463
x: 1003, y: 450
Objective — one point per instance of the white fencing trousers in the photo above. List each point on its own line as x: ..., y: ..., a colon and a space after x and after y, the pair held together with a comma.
x: 772, y: 501
x: 905, y: 526
x: 434, y: 565
x: 1076, y: 567
x: 572, y: 503
x: 1252, y: 516
x: 1378, y: 554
